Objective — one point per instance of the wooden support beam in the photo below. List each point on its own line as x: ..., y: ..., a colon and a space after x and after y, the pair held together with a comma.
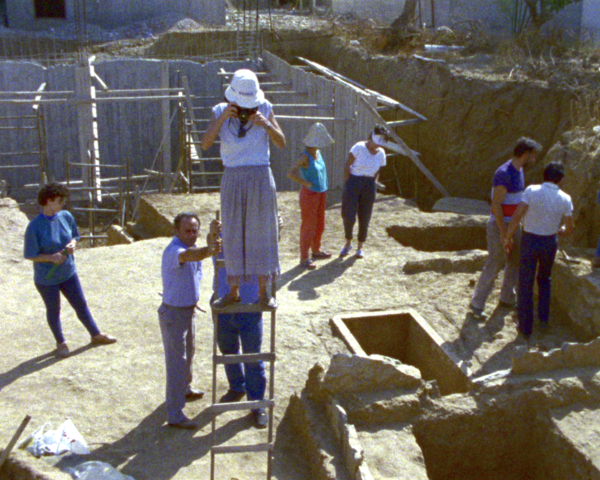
x: 165, y: 109
x: 399, y: 146
x: 195, y: 138
x: 360, y: 88
x: 38, y: 97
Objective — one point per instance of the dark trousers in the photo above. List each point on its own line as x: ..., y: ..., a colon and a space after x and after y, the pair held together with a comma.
x: 71, y: 289
x: 247, y: 328
x: 357, y: 200
x: 537, y: 251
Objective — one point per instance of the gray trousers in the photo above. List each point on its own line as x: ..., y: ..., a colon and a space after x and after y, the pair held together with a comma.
x: 177, y: 326
x: 495, y: 261
x: 250, y: 227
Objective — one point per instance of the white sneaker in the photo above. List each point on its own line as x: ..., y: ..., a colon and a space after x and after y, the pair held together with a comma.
x: 360, y: 253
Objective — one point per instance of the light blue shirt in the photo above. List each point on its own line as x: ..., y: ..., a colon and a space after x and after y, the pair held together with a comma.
x: 250, y: 150
x: 316, y: 173
x: 48, y: 235
x: 181, y: 281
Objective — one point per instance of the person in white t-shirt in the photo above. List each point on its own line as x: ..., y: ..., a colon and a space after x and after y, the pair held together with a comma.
x: 361, y: 173
x: 547, y: 214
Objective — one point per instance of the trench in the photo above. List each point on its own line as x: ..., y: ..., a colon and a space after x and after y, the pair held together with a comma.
x: 404, y: 336
x: 505, y: 443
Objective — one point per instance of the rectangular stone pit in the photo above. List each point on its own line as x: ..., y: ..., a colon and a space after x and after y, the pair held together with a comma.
x: 405, y: 336
x: 500, y: 442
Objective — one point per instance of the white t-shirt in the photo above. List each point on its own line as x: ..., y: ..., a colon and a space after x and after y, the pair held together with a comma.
x: 548, y: 204
x: 366, y: 164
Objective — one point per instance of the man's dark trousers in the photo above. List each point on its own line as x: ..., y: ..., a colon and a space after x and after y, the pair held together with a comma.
x: 536, y: 251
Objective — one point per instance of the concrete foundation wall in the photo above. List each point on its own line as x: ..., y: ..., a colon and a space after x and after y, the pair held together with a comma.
x: 108, y: 13
x: 127, y: 130
x: 382, y: 10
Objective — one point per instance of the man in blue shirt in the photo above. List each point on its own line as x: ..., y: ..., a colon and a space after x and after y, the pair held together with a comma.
x: 181, y: 274
x: 508, y: 185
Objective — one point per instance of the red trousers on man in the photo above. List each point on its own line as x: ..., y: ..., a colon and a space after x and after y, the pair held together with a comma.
x: 312, y: 208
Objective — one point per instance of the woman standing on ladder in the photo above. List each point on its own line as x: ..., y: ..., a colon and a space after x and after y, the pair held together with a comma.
x: 245, y: 124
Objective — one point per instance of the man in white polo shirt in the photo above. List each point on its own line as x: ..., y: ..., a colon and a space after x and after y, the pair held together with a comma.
x: 547, y: 213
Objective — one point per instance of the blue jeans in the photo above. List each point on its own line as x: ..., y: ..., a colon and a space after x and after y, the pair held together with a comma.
x: 247, y: 328
x: 357, y: 200
x: 536, y: 251
x: 71, y: 289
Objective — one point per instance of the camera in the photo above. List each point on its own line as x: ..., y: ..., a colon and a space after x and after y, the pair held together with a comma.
x: 244, y: 113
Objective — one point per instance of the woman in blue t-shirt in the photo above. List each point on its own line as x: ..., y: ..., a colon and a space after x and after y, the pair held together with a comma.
x: 50, y: 242
x: 310, y: 172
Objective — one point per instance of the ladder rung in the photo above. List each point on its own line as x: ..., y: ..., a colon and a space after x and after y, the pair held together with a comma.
x: 207, y: 159
x: 206, y: 174
x: 267, y: 84
x: 6, y: 154
x: 243, y: 308
x: 206, y: 189
x: 224, y: 74
x: 200, y: 143
x: 228, y: 407
x: 403, y: 123
x: 285, y: 92
x: 19, y: 166
x: 97, y: 210
x: 244, y: 358
x: 259, y: 447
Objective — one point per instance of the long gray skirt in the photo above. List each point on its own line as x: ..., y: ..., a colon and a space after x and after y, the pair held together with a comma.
x: 249, y: 219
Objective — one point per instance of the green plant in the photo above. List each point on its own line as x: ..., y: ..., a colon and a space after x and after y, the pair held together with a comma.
x: 532, y: 13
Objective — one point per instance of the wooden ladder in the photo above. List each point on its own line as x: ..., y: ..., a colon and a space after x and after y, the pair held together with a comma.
x: 269, y: 403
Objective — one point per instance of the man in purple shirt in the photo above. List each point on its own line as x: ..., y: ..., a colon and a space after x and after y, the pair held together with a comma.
x: 508, y: 185
x: 181, y: 274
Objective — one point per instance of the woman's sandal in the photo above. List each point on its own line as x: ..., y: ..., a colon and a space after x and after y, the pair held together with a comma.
x: 321, y: 254
x: 268, y: 302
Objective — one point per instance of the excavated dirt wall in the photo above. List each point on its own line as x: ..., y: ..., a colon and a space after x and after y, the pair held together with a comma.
x: 474, y: 119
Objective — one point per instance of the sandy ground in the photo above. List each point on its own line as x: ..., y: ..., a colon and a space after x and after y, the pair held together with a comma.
x: 115, y: 394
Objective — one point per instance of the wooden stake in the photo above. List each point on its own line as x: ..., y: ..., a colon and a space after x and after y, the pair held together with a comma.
x: 13, y: 440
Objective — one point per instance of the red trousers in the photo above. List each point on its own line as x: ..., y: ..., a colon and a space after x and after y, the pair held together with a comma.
x: 312, y: 208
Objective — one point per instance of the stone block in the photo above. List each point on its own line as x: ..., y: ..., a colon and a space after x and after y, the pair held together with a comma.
x: 118, y: 236
x: 466, y: 261
x: 359, y: 373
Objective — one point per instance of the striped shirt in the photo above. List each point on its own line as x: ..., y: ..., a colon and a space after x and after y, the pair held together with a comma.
x: 513, y: 180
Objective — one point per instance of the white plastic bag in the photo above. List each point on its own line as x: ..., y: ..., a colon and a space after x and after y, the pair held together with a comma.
x: 97, y: 471
x: 66, y: 438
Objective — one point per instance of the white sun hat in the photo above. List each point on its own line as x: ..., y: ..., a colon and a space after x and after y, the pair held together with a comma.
x: 244, y: 89
x: 317, y: 136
